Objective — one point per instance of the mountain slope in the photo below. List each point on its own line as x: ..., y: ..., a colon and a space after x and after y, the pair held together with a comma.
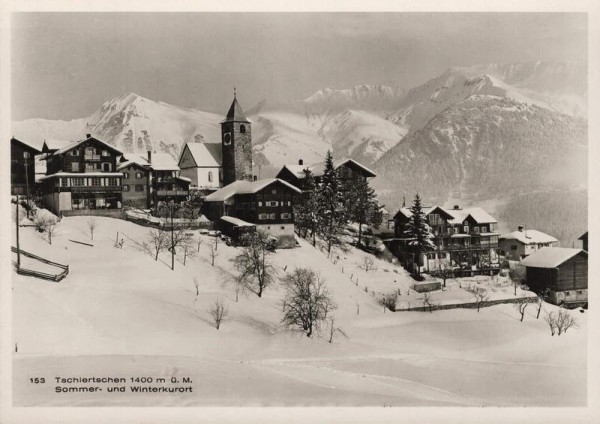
x: 486, y: 146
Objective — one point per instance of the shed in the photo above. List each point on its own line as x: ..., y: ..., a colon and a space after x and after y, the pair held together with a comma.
x: 235, y: 227
x: 561, y: 270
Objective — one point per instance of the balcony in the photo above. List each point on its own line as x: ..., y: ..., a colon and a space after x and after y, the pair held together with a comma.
x: 164, y: 193
x: 96, y: 189
x: 89, y: 157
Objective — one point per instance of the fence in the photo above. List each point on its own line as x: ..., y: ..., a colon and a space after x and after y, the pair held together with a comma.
x: 147, y: 220
x: 38, y: 274
x: 111, y: 213
x: 469, y: 305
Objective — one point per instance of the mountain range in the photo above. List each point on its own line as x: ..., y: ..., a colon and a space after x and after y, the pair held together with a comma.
x: 484, y: 133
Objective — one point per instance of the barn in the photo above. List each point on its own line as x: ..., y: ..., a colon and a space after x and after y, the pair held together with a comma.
x: 563, y: 271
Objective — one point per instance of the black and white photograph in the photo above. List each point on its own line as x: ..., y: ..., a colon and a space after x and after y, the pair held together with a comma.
x: 305, y: 209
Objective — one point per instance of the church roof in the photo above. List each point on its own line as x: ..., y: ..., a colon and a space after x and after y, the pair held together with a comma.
x: 205, y: 154
x: 236, y: 113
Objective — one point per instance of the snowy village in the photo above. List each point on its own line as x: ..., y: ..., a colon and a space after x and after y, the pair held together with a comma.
x: 264, y: 271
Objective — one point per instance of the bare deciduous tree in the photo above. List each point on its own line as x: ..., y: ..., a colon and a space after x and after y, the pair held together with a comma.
x: 307, y: 301
x: 91, y: 224
x: 197, y: 285
x: 564, y: 321
x: 388, y: 301
x: 199, y: 242
x: 542, y: 296
x: 480, y: 295
x: 158, y: 240
x: 218, y: 312
x: 428, y: 302
x: 333, y: 330
x: 187, y: 244
x: 255, y: 271
x: 444, y: 272
x: 368, y: 263
x: 213, y: 253
x: 521, y: 306
x: 551, y: 320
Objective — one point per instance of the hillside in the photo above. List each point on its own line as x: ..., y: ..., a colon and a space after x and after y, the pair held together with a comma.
x: 138, y: 317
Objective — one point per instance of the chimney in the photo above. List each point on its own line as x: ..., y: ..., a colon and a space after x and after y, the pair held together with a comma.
x: 456, y: 207
x: 520, y: 228
x: 300, y: 162
x: 88, y: 135
x: 149, y: 156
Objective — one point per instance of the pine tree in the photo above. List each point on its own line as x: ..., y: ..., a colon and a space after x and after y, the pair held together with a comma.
x: 332, y: 217
x: 305, y: 207
x: 363, y: 206
x: 418, y: 229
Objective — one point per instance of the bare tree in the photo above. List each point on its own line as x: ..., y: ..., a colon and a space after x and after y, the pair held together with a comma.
x: 444, y: 272
x: 307, y: 301
x: 542, y: 296
x: 91, y: 223
x: 521, y: 306
x: 480, y: 295
x: 47, y: 224
x: 428, y: 302
x: 389, y: 301
x: 158, y: 240
x: 218, y: 312
x: 255, y: 271
x: 368, y: 263
x: 213, y: 253
x: 333, y: 330
x: 199, y: 242
x: 564, y: 321
x: 187, y: 244
x: 551, y: 320
x: 197, y: 285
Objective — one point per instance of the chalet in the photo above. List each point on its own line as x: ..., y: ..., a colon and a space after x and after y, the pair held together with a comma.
x: 22, y: 167
x: 563, y: 271
x: 348, y: 170
x: 202, y: 164
x: 465, y: 239
x: 82, y: 175
x: 51, y: 145
x: 264, y: 204
x: 166, y: 184
x: 584, y: 241
x: 522, y: 243
x: 136, y: 181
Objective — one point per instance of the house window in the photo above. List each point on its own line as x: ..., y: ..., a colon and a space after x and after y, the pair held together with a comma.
x: 289, y: 203
x: 286, y: 216
x: 567, y: 293
x: 513, y: 247
x: 455, y: 230
x: 274, y: 191
x: 26, y: 155
x: 77, y: 182
x: 476, y: 229
x: 220, y: 175
x: 105, y: 153
x: 579, y: 291
x: 263, y: 216
x: 449, y: 230
x: 227, y: 139
x: 259, y: 203
x: 138, y: 175
x: 272, y: 203
x: 125, y: 187
x: 96, y: 182
x: 74, y: 166
x: 243, y: 129
x: 113, y: 182
x: 139, y: 187
x: 466, y: 228
x: 126, y: 175
x: 273, y: 216
x: 484, y: 229
x: 106, y: 167
x: 74, y: 152
x: 210, y: 178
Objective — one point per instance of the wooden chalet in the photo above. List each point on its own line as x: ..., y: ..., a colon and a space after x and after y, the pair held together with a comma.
x: 166, y: 183
x: 22, y: 167
x: 464, y: 239
x: 563, y: 271
x: 349, y: 170
x: 82, y: 176
x: 266, y: 204
x: 522, y: 243
x: 136, y: 181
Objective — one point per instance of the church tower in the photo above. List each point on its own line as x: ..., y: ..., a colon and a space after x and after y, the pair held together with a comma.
x: 236, y: 144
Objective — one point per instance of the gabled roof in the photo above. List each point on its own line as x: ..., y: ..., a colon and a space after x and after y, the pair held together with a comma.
x: 550, y: 257
x: 237, y: 222
x: 53, y: 145
x: 584, y: 236
x: 245, y: 187
x: 29, y: 146
x: 318, y: 168
x: 163, y: 162
x: 297, y: 170
x: 478, y: 214
x: 123, y: 165
x: 236, y: 113
x: 341, y: 162
x: 204, y: 154
x: 76, y: 144
x: 529, y: 237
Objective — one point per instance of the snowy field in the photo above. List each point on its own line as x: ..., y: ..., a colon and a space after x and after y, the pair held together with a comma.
x: 121, y: 313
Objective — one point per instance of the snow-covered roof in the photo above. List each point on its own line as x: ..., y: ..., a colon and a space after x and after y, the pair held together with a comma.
x: 318, y: 168
x: 53, y: 144
x: 132, y: 159
x: 163, y: 162
x: 205, y: 154
x: 26, y: 144
x: 529, y: 237
x: 82, y: 174
x: 478, y: 214
x: 76, y: 144
x: 245, y: 187
x: 550, y: 257
x: 189, y: 180
x: 340, y: 162
x: 298, y: 170
x: 237, y: 222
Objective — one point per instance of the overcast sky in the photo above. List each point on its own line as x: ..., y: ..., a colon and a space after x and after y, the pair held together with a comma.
x: 65, y: 65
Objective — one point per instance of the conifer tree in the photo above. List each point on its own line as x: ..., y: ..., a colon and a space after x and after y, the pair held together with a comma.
x: 306, y: 206
x: 418, y: 229
x: 332, y: 216
x: 363, y: 206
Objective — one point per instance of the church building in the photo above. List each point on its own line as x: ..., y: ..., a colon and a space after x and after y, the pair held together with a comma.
x: 244, y: 203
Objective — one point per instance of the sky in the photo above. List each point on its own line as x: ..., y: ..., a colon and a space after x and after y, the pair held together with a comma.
x: 65, y: 65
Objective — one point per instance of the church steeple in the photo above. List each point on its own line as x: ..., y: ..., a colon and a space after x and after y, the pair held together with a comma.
x: 236, y: 144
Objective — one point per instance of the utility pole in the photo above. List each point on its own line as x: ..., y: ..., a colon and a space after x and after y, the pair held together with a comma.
x: 171, y: 207
x: 18, y: 246
x: 27, y: 181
